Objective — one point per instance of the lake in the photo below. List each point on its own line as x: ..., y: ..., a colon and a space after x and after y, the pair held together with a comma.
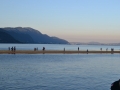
x: 58, y: 71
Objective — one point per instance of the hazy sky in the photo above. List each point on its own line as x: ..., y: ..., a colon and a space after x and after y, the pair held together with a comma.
x: 73, y: 20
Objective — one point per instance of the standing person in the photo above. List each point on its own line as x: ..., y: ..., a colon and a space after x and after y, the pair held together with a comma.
x: 14, y: 49
x: 78, y: 48
x: 87, y: 51
x: 35, y: 49
x: 112, y: 49
x: 43, y: 48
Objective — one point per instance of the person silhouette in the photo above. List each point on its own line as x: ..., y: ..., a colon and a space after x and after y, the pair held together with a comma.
x: 12, y: 49
x: 115, y: 85
x: 64, y: 49
x: 43, y: 48
x: 87, y: 51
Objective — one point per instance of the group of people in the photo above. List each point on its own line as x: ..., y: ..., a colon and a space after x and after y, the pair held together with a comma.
x: 36, y: 49
x: 12, y: 48
x: 78, y: 49
x: 112, y: 49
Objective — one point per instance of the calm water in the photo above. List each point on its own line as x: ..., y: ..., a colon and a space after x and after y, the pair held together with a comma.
x: 59, y: 71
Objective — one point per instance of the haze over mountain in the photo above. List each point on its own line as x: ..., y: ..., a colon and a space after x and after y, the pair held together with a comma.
x: 27, y: 35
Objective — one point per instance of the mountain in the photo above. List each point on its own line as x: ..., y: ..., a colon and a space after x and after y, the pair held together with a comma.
x: 30, y: 35
x: 6, y: 38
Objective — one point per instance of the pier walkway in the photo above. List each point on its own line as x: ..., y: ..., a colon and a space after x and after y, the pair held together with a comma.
x: 56, y: 52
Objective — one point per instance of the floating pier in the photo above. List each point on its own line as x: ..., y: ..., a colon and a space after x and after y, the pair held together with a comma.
x: 56, y: 52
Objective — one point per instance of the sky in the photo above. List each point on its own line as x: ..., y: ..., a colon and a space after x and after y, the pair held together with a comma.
x: 72, y: 20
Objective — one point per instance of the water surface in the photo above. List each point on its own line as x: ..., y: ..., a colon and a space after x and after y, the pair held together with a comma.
x: 58, y: 71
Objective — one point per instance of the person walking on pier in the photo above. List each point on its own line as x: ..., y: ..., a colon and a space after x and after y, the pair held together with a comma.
x: 78, y: 48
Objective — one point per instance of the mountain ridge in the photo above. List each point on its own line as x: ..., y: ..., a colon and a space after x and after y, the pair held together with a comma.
x: 6, y: 38
x: 30, y: 35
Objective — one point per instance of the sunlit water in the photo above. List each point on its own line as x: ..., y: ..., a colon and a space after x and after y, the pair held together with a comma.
x: 58, y: 71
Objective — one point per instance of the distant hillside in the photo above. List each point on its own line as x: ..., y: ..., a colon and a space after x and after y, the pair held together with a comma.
x: 29, y: 35
x: 94, y: 43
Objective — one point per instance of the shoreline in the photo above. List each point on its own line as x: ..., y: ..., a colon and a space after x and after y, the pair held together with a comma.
x: 56, y: 52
